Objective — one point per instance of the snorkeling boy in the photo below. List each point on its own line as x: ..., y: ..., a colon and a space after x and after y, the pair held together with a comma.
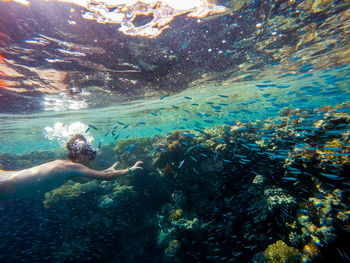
x: 36, y: 181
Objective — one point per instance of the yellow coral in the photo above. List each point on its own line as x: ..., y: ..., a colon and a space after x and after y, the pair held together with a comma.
x: 173, y: 246
x: 279, y: 252
x: 321, y: 5
x: 310, y: 251
x: 175, y: 215
x: 343, y: 216
x: 330, y: 153
x: 318, y: 124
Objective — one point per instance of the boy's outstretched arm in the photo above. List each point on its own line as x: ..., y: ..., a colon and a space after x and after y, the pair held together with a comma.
x: 108, y: 174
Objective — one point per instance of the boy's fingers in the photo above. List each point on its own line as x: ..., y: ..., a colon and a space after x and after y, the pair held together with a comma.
x: 114, y: 165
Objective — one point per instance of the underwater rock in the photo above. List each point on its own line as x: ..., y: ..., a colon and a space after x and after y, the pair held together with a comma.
x: 121, y: 195
x: 71, y: 193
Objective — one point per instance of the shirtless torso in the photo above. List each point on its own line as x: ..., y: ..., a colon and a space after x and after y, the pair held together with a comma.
x: 38, y: 180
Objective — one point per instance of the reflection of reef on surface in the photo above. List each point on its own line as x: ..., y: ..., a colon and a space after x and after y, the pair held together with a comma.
x: 159, y: 14
x: 246, y: 41
x: 266, y: 191
x: 129, y: 14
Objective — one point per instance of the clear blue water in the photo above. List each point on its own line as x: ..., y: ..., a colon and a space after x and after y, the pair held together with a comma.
x: 206, y: 105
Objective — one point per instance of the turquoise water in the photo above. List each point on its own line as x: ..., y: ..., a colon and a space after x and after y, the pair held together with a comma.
x: 206, y: 105
x: 238, y: 109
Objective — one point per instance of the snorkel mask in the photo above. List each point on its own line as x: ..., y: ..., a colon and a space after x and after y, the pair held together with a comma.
x: 82, y: 147
x: 79, y: 145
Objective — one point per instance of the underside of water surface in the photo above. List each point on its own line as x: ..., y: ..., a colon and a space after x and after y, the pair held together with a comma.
x: 238, y: 109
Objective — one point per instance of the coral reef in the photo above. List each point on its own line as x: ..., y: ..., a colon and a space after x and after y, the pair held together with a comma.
x: 279, y: 252
x: 277, y: 198
x: 277, y: 188
x: 128, y: 151
x: 104, y: 211
x: 30, y: 159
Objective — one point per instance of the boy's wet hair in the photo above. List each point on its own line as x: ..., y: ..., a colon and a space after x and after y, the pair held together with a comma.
x: 79, y: 145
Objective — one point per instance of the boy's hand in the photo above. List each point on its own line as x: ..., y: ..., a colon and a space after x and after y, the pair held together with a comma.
x: 112, y: 168
x: 136, y: 166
